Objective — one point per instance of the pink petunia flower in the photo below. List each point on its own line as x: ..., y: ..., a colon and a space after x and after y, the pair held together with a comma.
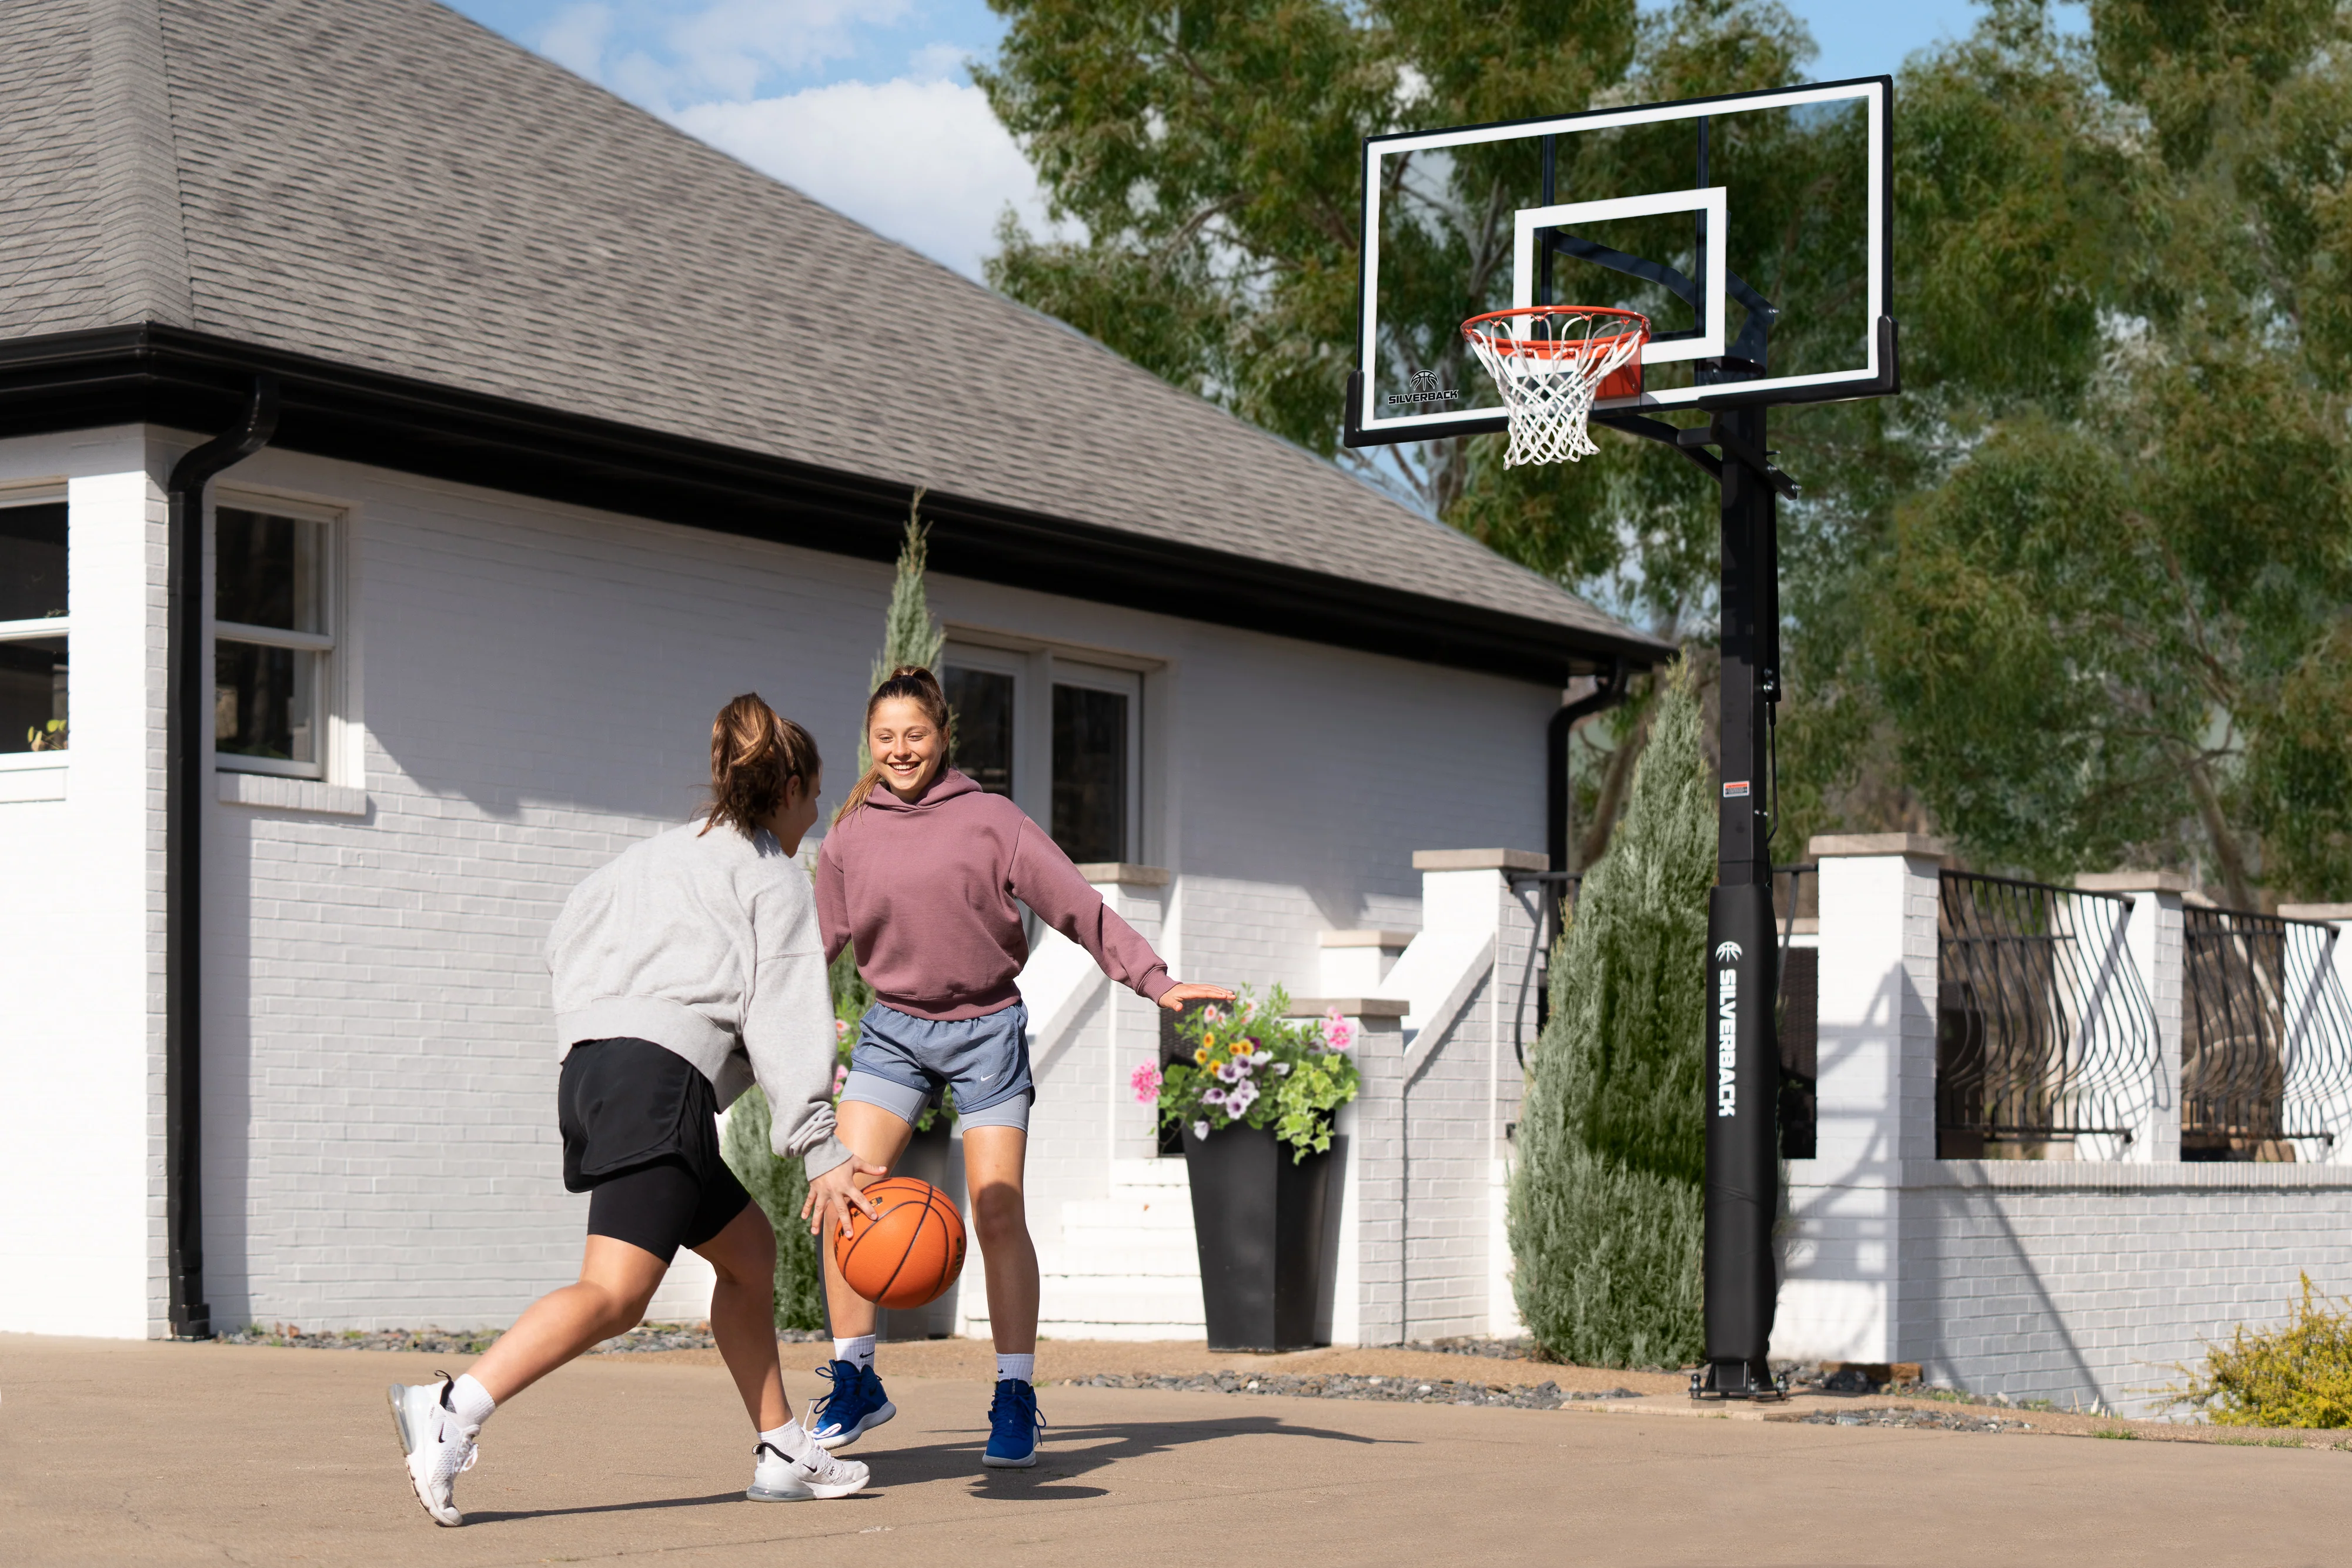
x: 1239, y: 1099
x: 1338, y: 1033
x: 1212, y: 1096
x: 840, y: 1076
x: 1145, y: 1082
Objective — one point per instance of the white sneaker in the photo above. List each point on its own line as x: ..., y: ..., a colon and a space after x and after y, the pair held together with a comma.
x: 439, y: 1451
x: 777, y: 1477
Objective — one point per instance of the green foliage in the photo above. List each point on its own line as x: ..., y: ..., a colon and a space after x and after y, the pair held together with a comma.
x: 777, y: 1187
x: 1605, y: 1210
x: 2074, y: 601
x: 2298, y: 1374
x: 1290, y: 1074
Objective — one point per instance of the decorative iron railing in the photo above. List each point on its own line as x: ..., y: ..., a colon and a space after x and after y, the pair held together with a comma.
x: 2043, y: 1032
x: 2266, y: 1036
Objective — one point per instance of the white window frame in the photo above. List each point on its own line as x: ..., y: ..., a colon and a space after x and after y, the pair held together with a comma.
x: 1002, y: 662
x: 1038, y: 665
x: 1127, y: 684
x: 42, y: 627
x: 329, y: 715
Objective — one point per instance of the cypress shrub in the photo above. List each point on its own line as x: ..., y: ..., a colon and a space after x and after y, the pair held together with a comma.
x: 1606, y: 1215
x: 777, y: 1186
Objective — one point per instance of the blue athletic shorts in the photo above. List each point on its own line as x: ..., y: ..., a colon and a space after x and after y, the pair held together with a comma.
x: 901, y: 1061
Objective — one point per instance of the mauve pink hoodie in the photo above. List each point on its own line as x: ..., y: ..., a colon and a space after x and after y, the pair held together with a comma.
x: 926, y: 893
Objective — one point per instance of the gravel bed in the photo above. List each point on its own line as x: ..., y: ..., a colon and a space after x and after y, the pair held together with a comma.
x: 1915, y: 1421
x: 1405, y: 1390
x: 1477, y: 1345
x: 444, y: 1342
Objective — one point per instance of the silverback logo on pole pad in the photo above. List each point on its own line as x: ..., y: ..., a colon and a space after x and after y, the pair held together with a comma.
x: 1726, y: 1031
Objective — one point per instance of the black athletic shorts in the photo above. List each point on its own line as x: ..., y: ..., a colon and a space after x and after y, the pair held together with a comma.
x: 640, y: 1133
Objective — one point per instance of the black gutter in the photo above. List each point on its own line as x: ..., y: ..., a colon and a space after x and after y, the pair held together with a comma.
x: 188, y: 673
x: 187, y: 379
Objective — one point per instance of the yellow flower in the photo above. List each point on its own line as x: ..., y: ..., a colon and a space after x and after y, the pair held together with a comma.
x: 1201, y: 1057
x: 1209, y: 1043
x: 1239, y: 1048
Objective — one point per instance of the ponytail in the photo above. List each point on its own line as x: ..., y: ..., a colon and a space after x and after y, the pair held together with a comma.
x: 755, y: 752
x: 919, y: 686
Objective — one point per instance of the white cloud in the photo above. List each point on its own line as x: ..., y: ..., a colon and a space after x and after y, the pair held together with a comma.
x: 925, y: 162
x: 729, y: 44
x: 575, y: 40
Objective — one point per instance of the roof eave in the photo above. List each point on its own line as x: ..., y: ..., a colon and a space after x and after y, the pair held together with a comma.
x: 193, y: 381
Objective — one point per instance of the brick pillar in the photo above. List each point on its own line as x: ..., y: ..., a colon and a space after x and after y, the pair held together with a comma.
x: 1841, y: 1296
x: 1368, y: 1248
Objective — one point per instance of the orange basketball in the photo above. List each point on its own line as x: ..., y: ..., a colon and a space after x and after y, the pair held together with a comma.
x: 909, y: 1256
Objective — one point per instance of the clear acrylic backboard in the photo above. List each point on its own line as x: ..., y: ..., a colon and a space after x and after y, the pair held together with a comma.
x: 1751, y: 229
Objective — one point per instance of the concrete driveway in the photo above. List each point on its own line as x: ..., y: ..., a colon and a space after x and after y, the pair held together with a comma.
x: 162, y: 1454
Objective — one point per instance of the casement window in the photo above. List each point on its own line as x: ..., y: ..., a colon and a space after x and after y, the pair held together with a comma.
x: 34, y: 626
x: 273, y: 639
x: 1062, y: 738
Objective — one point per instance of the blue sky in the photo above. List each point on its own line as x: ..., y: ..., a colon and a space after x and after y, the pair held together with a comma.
x: 866, y: 105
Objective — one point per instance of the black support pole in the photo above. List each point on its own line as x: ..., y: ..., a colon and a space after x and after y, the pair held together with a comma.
x: 187, y: 704
x: 1742, y: 1144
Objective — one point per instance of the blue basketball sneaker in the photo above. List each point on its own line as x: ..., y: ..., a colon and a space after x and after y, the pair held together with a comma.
x: 855, y: 1407
x: 1012, y: 1426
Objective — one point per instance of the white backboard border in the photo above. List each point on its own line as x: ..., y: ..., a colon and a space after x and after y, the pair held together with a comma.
x: 1879, y: 376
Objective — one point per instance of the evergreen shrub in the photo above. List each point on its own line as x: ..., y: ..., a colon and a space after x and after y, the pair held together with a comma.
x: 1605, y: 1205
x: 777, y: 1187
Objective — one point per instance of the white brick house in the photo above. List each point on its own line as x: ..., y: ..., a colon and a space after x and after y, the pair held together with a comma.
x: 577, y: 434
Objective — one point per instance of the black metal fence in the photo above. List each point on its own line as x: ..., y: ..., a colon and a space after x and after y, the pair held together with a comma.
x: 2043, y: 1033
x: 2266, y: 1036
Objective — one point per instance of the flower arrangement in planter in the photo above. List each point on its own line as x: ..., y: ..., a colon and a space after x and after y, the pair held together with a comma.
x: 1249, y: 1065
x: 1248, y: 1086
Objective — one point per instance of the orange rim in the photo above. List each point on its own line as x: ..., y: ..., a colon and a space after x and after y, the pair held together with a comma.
x: 1556, y: 348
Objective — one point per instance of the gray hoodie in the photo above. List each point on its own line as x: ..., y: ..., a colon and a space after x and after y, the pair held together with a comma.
x: 707, y: 945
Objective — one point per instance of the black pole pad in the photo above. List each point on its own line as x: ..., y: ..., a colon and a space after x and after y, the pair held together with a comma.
x: 1743, y: 1146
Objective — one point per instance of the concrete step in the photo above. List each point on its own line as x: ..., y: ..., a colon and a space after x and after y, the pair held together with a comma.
x: 1158, y: 1173
x: 1127, y: 1214
x: 1064, y: 1260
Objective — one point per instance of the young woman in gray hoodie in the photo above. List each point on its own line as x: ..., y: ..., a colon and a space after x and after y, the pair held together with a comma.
x: 923, y: 875
x: 685, y: 971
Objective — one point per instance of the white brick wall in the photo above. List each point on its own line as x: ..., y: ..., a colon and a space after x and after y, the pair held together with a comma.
x: 2082, y: 1281
x: 534, y: 695
x: 2092, y: 1294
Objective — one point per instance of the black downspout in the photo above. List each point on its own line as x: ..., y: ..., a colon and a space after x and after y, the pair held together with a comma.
x: 1607, y: 695
x: 188, y: 663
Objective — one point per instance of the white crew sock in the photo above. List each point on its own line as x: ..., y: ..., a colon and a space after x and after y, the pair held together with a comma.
x: 1024, y: 1367
x: 790, y: 1440
x: 471, y: 1403
x: 858, y: 1351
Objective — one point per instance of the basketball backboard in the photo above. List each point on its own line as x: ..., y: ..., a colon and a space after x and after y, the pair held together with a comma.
x: 1751, y: 229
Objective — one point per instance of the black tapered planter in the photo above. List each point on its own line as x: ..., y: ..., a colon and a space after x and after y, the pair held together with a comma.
x: 1258, y: 1217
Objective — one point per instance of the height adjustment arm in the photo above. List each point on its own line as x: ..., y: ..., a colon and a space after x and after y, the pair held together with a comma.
x: 1734, y: 450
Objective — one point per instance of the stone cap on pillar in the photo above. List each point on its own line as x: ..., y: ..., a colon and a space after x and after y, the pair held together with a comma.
x: 1828, y: 846
x: 1125, y: 874
x: 1481, y: 860
x: 2133, y: 882
x: 1349, y: 1007
x: 2316, y: 911
x: 1382, y: 939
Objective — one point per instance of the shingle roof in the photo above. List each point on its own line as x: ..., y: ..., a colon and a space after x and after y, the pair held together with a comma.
x: 389, y: 186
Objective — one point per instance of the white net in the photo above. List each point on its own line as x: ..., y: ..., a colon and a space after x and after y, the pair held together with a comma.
x: 1549, y: 361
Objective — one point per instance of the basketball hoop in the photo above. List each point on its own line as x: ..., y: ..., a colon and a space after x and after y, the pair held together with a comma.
x: 1550, y: 379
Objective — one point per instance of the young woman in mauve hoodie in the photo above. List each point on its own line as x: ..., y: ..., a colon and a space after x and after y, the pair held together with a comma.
x: 919, y: 876
x: 685, y: 971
